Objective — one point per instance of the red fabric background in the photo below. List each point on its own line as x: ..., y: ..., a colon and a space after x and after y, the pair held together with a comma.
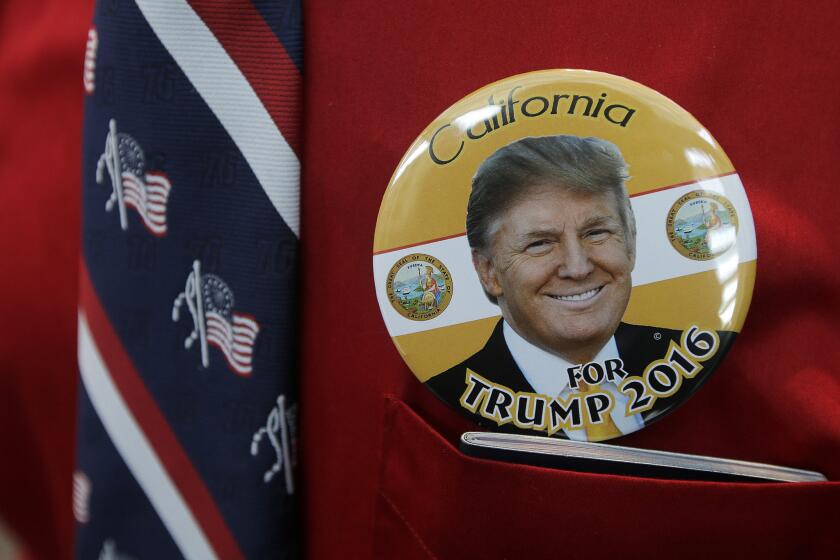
x: 380, y: 476
x: 42, y: 48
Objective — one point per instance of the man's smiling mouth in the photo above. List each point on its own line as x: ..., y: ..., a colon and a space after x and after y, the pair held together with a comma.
x: 583, y: 296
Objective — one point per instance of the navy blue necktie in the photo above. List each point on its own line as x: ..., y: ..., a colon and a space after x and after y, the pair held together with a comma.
x: 187, y: 330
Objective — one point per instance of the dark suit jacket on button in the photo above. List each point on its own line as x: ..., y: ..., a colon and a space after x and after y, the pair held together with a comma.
x: 638, y: 346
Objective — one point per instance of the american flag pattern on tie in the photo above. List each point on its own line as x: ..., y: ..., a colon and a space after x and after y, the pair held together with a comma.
x: 210, y: 303
x: 187, y: 426
x: 147, y: 193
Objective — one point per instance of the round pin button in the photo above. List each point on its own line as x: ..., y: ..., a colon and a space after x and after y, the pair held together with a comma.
x: 564, y: 253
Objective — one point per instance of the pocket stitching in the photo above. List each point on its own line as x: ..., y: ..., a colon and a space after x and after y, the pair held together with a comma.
x: 408, y: 525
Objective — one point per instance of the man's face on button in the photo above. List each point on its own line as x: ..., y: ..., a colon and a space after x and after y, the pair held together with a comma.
x: 559, y: 264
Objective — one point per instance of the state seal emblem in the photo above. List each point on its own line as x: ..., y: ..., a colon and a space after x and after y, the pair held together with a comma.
x: 419, y: 287
x: 702, y: 224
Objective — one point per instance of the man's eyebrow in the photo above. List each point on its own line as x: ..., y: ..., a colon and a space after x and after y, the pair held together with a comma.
x: 596, y: 221
x: 540, y: 233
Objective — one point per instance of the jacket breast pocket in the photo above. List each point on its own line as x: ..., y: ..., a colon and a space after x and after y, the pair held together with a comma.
x: 435, y: 502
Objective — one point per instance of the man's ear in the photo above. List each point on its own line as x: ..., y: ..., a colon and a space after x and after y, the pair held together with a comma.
x: 486, y: 273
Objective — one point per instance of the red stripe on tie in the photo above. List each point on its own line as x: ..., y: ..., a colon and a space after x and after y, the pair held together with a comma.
x: 154, y: 426
x: 261, y: 58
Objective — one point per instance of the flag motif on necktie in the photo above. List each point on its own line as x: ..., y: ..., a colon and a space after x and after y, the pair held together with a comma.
x: 146, y: 192
x: 210, y: 303
x: 81, y: 497
x: 89, y: 75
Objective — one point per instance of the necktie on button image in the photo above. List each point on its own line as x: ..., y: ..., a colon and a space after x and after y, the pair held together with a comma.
x: 187, y: 427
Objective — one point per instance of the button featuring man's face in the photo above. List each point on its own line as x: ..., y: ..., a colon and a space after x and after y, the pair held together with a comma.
x: 560, y: 267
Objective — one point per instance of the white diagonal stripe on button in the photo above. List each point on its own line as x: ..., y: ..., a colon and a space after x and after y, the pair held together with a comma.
x: 656, y: 259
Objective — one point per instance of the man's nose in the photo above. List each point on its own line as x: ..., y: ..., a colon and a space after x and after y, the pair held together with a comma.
x: 576, y: 263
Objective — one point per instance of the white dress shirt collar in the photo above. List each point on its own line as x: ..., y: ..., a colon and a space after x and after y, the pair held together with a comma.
x: 545, y: 371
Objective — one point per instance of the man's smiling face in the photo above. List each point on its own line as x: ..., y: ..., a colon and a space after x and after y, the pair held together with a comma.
x: 559, y: 264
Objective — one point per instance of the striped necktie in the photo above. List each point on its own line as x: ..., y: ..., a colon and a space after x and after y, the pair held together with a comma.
x: 191, y: 165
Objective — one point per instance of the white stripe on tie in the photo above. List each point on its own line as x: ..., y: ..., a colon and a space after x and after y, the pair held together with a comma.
x: 137, y: 452
x: 224, y: 88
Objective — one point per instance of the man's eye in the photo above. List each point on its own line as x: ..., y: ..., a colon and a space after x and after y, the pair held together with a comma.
x: 538, y: 246
x: 598, y: 234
